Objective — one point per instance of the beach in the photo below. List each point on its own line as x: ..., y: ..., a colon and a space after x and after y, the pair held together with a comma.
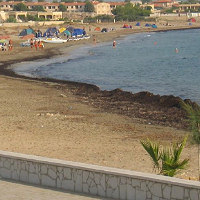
x: 79, y: 122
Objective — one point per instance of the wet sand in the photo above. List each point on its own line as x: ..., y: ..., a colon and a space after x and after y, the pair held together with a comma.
x: 67, y: 120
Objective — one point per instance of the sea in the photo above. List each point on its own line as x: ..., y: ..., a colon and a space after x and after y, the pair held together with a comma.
x: 164, y: 63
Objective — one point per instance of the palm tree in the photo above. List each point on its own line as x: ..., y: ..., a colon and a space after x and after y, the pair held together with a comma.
x: 153, y: 149
x: 194, y: 119
x: 166, y: 159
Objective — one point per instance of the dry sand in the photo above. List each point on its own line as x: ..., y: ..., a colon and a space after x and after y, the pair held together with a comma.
x: 47, y: 119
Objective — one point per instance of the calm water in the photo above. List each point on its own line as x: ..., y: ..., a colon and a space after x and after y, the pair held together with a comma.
x: 140, y: 62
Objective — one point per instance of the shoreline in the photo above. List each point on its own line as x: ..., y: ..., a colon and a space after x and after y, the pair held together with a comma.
x: 80, y: 122
x: 148, y: 102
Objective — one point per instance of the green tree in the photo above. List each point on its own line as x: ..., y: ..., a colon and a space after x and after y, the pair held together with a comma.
x: 11, y: 19
x: 104, y: 18
x: 62, y: 8
x: 20, y: 7
x: 130, y: 13
x: 166, y: 159
x: 89, y: 7
x: 67, y: 1
x: 38, y: 8
x: 193, y: 113
x: 145, y: 1
x: 41, y: 0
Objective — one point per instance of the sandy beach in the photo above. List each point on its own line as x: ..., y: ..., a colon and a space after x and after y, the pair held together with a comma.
x: 78, y: 122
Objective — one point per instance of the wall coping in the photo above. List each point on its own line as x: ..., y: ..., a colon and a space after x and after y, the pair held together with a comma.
x: 102, y: 169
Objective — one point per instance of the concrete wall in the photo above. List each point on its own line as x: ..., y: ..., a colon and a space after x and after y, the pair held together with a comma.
x: 95, y: 180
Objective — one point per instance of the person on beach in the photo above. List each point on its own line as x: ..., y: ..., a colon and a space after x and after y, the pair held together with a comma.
x: 114, y: 44
x: 3, y: 47
x: 31, y: 43
x: 40, y: 45
x: 36, y: 45
x: 10, y: 45
x: 94, y: 39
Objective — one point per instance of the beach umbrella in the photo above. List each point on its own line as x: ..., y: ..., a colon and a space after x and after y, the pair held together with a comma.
x: 62, y: 29
x: 66, y: 32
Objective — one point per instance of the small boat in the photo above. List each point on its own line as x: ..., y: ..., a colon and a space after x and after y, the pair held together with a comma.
x: 54, y: 40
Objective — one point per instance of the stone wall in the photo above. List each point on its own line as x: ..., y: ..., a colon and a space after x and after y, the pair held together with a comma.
x: 95, y: 180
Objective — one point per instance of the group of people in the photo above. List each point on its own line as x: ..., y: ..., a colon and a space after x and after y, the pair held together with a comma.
x: 37, y: 44
x: 5, y: 46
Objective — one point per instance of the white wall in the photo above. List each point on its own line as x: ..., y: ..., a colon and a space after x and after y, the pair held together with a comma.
x: 95, y: 180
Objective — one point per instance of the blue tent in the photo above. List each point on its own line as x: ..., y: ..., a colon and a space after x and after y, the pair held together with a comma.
x: 138, y: 24
x: 51, y: 32
x: 78, y: 32
x: 27, y: 31
x: 147, y: 25
x: 154, y: 26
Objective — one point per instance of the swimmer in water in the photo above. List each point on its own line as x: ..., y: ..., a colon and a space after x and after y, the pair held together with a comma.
x: 114, y: 44
x: 176, y: 50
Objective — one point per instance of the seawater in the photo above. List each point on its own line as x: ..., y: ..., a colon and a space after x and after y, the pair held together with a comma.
x: 140, y: 62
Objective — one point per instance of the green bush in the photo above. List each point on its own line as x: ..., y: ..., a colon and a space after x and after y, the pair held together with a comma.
x: 166, y: 159
x: 11, y: 19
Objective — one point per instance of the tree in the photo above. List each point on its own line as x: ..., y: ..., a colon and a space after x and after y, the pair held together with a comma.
x: 62, y: 8
x: 145, y: 1
x: 89, y: 7
x: 41, y: 0
x: 11, y: 19
x: 166, y: 159
x: 38, y: 8
x: 67, y: 1
x: 20, y: 7
x: 130, y: 13
x: 194, y: 119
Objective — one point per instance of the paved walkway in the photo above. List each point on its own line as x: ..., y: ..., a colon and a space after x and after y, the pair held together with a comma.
x: 17, y: 191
